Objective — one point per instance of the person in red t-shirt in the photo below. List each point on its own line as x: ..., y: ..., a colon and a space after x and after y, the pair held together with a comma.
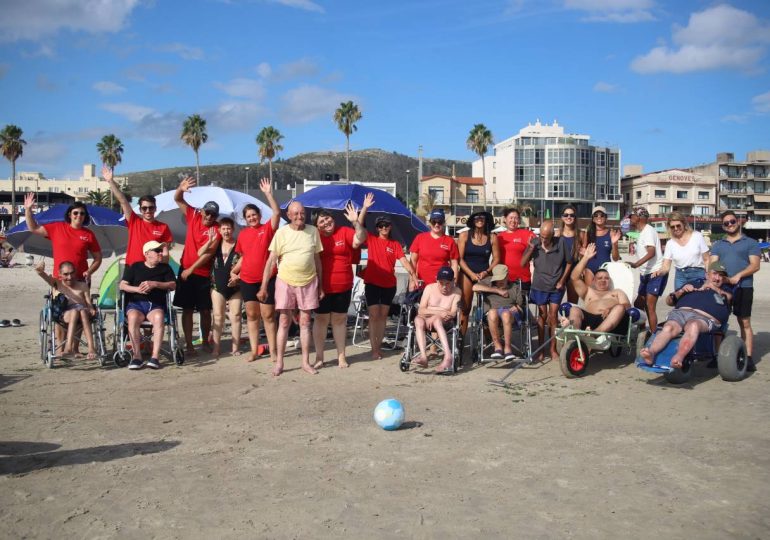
x: 252, y: 245
x: 380, y: 279
x: 513, y: 243
x: 433, y: 249
x: 142, y: 228
x: 70, y: 239
x: 194, y: 287
x: 337, y: 277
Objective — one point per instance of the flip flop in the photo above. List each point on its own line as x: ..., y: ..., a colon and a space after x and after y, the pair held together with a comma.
x: 5, y: 323
x: 15, y: 322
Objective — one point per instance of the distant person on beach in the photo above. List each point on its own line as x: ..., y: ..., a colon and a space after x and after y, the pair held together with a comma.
x: 296, y: 249
x: 194, y: 287
x: 740, y: 256
x: 437, y: 312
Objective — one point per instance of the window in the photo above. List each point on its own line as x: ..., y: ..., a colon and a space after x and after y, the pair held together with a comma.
x: 664, y: 209
x: 660, y: 193
x: 682, y: 194
x: 494, y: 164
x: 638, y: 194
x: 473, y: 196
x: 437, y: 193
x: 703, y: 195
x: 494, y: 179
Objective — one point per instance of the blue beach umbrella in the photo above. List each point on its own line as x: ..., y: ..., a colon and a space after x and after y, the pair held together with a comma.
x: 110, y: 231
x: 334, y: 198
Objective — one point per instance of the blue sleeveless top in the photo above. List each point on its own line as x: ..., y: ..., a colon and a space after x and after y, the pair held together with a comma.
x: 603, y: 252
x: 477, y: 257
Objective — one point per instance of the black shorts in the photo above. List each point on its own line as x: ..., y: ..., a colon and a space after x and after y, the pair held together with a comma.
x: 743, y: 298
x: 249, y: 292
x: 335, y: 303
x: 593, y: 320
x: 376, y: 295
x: 193, y: 293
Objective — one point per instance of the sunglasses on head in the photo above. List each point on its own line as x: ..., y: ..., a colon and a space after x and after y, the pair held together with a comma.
x: 147, y: 208
x: 569, y: 215
x: 729, y: 222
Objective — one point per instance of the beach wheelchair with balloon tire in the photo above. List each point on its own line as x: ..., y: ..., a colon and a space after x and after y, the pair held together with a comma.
x: 174, y: 350
x: 51, y: 317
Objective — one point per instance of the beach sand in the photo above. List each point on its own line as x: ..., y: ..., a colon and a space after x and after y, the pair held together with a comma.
x: 220, y: 449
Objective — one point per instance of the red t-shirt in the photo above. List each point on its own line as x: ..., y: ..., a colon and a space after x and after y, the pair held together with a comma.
x: 381, y: 261
x: 140, y: 232
x: 337, y: 260
x: 71, y: 244
x: 197, y: 236
x: 512, y: 246
x: 433, y: 254
x: 252, y: 244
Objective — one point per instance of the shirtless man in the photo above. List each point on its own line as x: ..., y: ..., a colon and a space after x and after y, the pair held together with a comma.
x: 438, y: 307
x: 79, y: 307
x: 603, y: 310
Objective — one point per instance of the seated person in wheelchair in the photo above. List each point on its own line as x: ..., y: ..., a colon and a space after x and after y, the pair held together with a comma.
x: 699, y: 308
x: 503, y: 301
x: 438, y: 310
x: 71, y: 305
x: 146, y: 284
x: 604, y: 310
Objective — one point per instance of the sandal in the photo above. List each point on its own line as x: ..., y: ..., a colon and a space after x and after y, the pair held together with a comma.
x: 5, y: 323
x: 15, y: 322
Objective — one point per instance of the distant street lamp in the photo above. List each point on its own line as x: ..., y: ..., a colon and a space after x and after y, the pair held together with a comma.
x: 407, y: 190
x: 247, y: 179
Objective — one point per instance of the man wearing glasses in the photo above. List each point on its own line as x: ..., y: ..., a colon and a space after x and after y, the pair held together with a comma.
x: 433, y: 250
x: 142, y: 228
x: 740, y: 256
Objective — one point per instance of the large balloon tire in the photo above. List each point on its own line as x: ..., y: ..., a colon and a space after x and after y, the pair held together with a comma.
x: 732, y: 359
x: 569, y: 360
x: 680, y: 375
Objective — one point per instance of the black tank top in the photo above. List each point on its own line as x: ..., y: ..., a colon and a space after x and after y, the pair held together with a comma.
x: 477, y: 257
x: 221, y: 271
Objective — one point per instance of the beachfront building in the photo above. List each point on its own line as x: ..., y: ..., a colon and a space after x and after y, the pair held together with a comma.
x: 672, y: 190
x: 458, y: 196
x: 743, y: 187
x: 544, y: 168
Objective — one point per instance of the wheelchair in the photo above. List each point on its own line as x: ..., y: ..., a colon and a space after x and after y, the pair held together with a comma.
x: 576, y: 346
x: 480, y: 341
x: 49, y: 345
x: 728, y: 351
x: 411, y: 350
x: 122, y: 356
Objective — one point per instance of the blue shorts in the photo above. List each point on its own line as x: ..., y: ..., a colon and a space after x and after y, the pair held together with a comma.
x: 541, y: 298
x: 144, y: 307
x: 650, y: 285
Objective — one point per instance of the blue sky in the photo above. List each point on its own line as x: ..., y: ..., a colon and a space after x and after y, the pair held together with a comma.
x: 670, y: 82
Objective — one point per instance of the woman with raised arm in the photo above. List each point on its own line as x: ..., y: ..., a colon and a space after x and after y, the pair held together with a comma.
x: 479, y: 253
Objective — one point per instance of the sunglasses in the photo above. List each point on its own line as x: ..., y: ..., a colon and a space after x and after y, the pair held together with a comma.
x: 77, y: 213
x: 157, y: 250
x: 436, y: 221
x: 383, y: 225
x: 599, y: 214
x: 729, y: 223
x: 565, y: 216
x: 479, y: 218
x: 147, y: 208
x: 676, y: 227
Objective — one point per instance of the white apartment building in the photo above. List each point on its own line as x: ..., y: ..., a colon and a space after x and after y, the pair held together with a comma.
x: 672, y: 190
x: 546, y: 169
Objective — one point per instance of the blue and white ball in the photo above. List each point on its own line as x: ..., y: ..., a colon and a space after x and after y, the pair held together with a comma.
x: 389, y: 414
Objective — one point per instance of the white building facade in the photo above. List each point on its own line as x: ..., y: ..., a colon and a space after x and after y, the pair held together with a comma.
x: 546, y: 169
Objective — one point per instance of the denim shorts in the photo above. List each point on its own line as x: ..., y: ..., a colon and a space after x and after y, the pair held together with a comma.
x: 688, y: 275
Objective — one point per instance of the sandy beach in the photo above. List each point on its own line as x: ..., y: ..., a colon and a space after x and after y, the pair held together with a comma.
x: 220, y: 449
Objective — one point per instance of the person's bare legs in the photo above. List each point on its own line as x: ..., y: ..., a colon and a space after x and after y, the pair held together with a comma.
x: 612, y: 319
x: 85, y: 321
x: 187, y: 328
x: 493, y: 321
x: 218, y: 303
x: 419, y: 330
x: 267, y: 312
x: 305, y: 337
x: 467, y: 297
x: 234, y: 306
x: 282, y: 335
x: 575, y: 317
x: 437, y: 323
x: 320, y: 326
x: 542, y: 316
x: 651, y: 302
x: 692, y: 329
x: 156, y: 318
x: 252, y: 323
x: 135, y: 318
x: 340, y: 331
x: 552, y: 311
x: 71, y: 317
x: 507, y: 319
x: 378, y: 318
x: 747, y: 334
x: 205, y: 320
x: 669, y: 331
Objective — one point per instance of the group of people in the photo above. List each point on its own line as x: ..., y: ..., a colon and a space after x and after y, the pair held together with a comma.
x: 302, y: 275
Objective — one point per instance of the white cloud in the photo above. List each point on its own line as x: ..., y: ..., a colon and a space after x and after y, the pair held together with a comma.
x: 186, y: 52
x: 35, y: 19
x: 304, y: 67
x: 107, y: 87
x: 264, y: 70
x: 761, y: 103
x: 300, y: 4
x: 130, y: 111
x: 605, y: 87
x: 307, y: 103
x: 235, y: 116
x: 716, y: 38
x: 243, y: 88
x: 618, y: 11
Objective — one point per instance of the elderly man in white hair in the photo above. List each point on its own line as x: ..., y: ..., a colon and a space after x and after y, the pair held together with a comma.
x: 297, y: 247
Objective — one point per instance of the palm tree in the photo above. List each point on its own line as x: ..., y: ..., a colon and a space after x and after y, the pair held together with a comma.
x: 111, y: 151
x: 194, y: 134
x: 268, y: 140
x: 12, y: 147
x: 429, y: 201
x: 98, y: 198
x: 478, y: 141
x: 346, y: 117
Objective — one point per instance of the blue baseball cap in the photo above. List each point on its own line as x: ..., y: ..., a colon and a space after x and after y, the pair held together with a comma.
x: 445, y: 273
x: 438, y: 214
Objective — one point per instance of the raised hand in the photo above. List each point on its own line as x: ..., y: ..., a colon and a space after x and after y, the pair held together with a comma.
x: 29, y: 201
x: 265, y: 186
x: 615, y: 236
x: 187, y: 183
x: 369, y: 200
x: 590, y: 251
x: 40, y: 267
x: 350, y: 212
x: 106, y: 173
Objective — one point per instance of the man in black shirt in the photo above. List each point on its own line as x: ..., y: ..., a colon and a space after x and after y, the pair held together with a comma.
x: 145, y: 284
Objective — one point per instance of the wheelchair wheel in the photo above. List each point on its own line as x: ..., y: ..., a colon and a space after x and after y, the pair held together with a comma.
x: 121, y: 358
x: 680, y: 376
x: 731, y: 359
x: 572, y: 360
x: 641, y: 341
x: 403, y: 365
x: 475, y: 346
x: 616, y: 350
x: 43, y: 338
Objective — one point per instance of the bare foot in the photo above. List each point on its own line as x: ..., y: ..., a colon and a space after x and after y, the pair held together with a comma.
x: 646, y: 356
x: 277, y: 370
x: 318, y: 364
x: 235, y: 352
x: 309, y: 369
x: 252, y: 357
x: 215, y: 351
x: 421, y: 361
x: 91, y: 355
x: 343, y: 363
x: 376, y: 355
x: 676, y: 362
x: 444, y: 366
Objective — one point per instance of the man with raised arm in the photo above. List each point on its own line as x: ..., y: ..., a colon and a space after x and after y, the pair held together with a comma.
x: 142, y: 228
x: 194, y: 288
x: 603, y: 310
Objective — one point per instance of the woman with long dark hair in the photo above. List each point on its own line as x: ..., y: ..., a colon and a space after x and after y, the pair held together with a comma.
x: 570, y: 235
x: 605, y: 239
x: 479, y: 253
